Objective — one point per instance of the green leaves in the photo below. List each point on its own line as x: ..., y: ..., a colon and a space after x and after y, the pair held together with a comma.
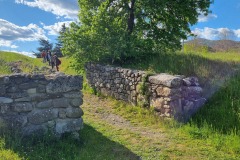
x: 121, y: 31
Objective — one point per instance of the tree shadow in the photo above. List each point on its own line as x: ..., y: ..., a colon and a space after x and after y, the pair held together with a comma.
x: 92, y: 145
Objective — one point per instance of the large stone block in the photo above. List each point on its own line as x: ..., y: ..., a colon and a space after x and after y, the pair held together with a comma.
x: 35, y: 130
x: 38, y: 97
x: 26, y: 86
x: 69, y: 125
x: 15, y: 121
x: 45, y: 104
x: 60, y: 103
x: 5, y: 100
x: 22, y: 107
x: 166, y: 80
x: 6, y: 110
x: 76, y: 102
x: 24, y: 99
x: 165, y: 91
x: 157, y: 102
x: 42, y: 116
x: 64, y: 84
x: 74, y: 112
x: 32, y: 91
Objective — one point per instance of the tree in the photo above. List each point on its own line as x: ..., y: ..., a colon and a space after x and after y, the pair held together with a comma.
x: 125, y: 30
x: 58, y: 45
x: 45, y: 45
x: 226, y: 34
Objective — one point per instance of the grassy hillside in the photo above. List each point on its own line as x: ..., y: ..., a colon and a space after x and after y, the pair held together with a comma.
x: 28, y: 64
x: 116, y: 130
x: 201, y: 44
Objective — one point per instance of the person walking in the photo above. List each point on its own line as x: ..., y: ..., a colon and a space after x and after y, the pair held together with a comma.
x: 55, y: 61
x: 49, y: 57
x: 44, y: 56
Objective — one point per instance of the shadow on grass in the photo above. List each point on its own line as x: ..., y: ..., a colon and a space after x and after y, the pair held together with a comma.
x: 91, y: 146
x: 222, y: 111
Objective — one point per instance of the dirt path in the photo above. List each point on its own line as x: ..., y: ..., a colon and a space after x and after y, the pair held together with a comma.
x: 101, y: 108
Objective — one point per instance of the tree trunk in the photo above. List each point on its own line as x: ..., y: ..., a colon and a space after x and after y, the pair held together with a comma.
x: 131, y: 17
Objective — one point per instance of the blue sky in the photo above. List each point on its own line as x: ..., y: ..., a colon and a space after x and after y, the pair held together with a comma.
x: 23, y: 22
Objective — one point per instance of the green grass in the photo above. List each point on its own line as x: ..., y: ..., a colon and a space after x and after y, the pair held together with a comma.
x: 29, y: 64
x: 212, y: 133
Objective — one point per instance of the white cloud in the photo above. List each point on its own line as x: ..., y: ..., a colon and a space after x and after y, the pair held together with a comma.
x: 237, y: 32
x: 56, y: 27
x: 63, y: 8
x: 203, y: 18
x: 216, y: 33
x: 6, y: 43
x: 10, y: 32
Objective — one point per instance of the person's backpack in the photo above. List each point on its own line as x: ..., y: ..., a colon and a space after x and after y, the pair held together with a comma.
x: 58, y: 61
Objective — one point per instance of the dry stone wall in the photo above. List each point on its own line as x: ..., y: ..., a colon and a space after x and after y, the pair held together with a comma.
x: 171, y: 96
x: 36, y: 104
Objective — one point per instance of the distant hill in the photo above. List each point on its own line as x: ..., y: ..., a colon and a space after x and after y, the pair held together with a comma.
x: 213, y: 45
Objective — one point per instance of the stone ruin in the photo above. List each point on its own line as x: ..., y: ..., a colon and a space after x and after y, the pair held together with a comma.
x: 171, y: 96
x: 36, y: 104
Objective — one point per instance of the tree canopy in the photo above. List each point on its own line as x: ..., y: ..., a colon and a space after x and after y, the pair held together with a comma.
x: 45, y: 45
x: 58, y: 45
x: 126, y: 30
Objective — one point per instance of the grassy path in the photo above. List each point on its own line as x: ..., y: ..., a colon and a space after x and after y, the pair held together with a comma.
x: 143, y: 137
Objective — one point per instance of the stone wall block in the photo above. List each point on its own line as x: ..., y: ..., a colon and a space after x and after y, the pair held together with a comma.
x: 76, y: 102
x: 165, y: 91
x: 64, y: 84
x: 42, y: 116
x: 38, y: 97
x: 12, y: 89
x: 69, y: 125
x: 62, y: 114
x: 15, y: 122
x: 32, y: 91
x: 157, y: 102
x: 41, y: 89
x: 176, y: 103
x: 5, y: 100
x: 192, y: 80
x: 6, y: 109
x: 60, y: 103
x: 4, y: 80
x: 166, y: 80
x: 73, y: 95
x: 18, y: 78
x: 194, y: 91
x: 22, y: 107
x: 26, y: 86
x: 35, y: 130
x: 2, y: 90
x: 74, y: 112
x: 45, y: 104
x: 24, y: 99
